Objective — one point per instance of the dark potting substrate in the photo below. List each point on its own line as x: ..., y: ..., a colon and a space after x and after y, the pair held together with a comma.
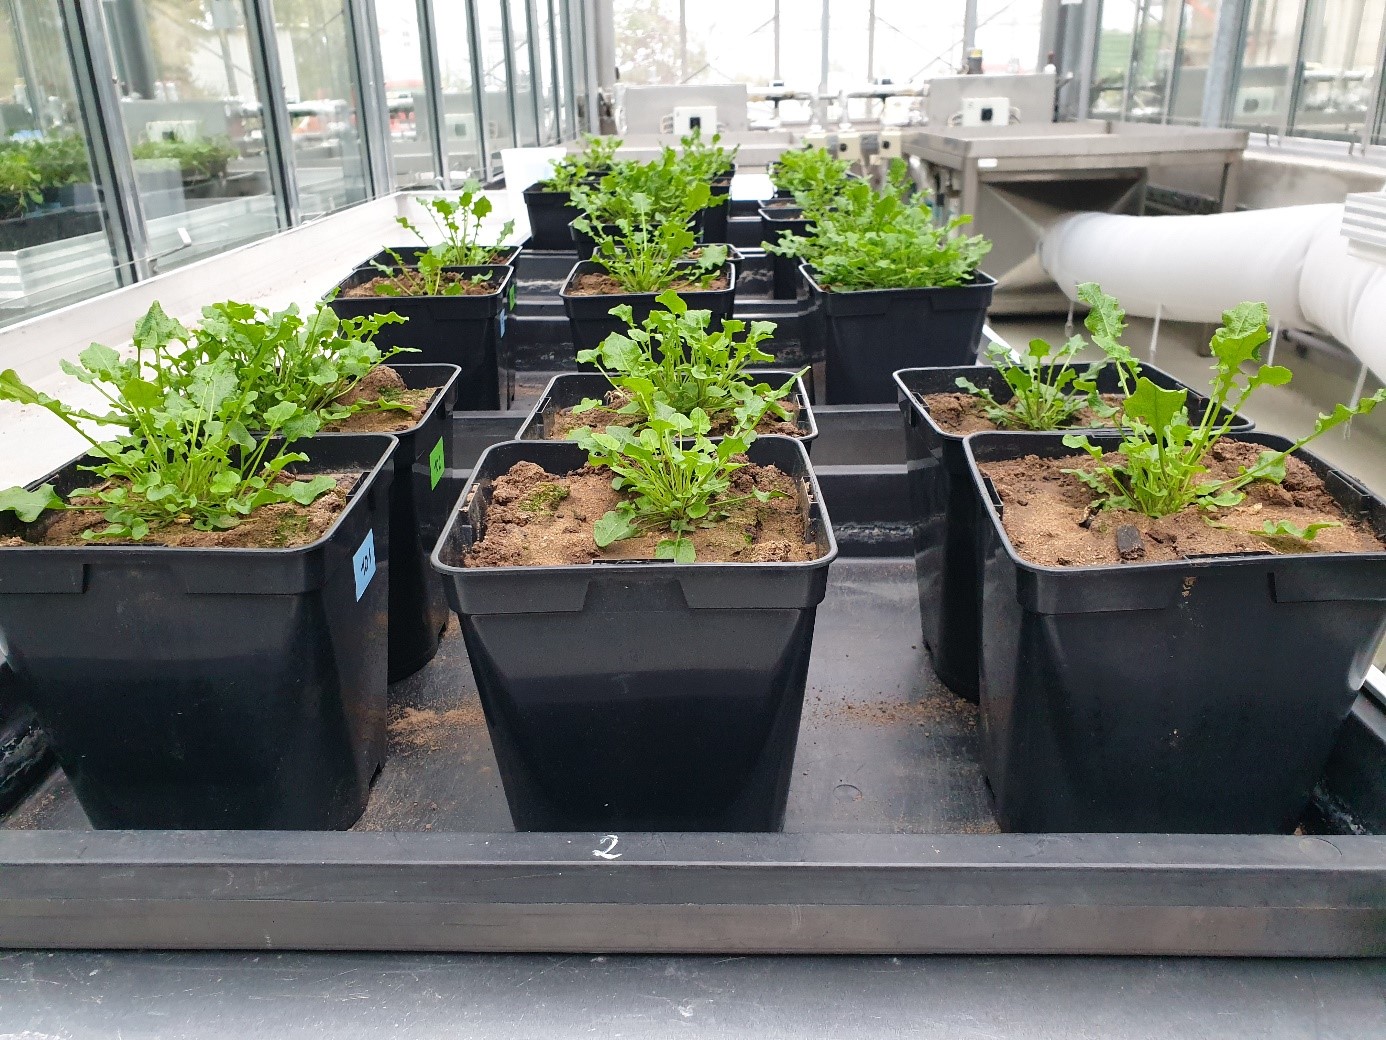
x: 889, y: 846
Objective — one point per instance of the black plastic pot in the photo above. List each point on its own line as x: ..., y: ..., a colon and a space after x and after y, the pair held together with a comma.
x: 645, y: 695
x: 466, y: 331
x: 410, y: 255
x: 212, y: 688
x: 715, y: 217
x: 1198, y: 695
x: 773, y: 222
x: 550, y: 213
x: 868, y: 335
x: 570, y: 388
x: 418, y: 511
x: 41, y: 227
x: 945, y: 511
x: 591, y: 320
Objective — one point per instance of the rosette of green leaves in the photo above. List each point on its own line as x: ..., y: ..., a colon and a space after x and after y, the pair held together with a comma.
x: 706, y: 160
x: 572, y: 170
x: 668, y: 193
x: 279, y: 357
x: 1157, y: 468
x: 884, y: 241
x: 672, y: 362
x: 185, y: 456
x: 1046, y: 390
x: 812, y: 176
x: 674, y: 478
x: 457, y: 222
x: 649, y: 254
x: 424, y: 278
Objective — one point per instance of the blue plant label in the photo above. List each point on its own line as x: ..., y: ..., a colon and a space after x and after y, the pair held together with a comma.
x: 501, y: 324
x: 437, y: 463
x: 363, y: 564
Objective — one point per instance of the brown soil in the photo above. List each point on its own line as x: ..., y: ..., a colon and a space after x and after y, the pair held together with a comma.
x: 1045, y: 510
x: 413, y: 286
x: 596, y: 283
x: 280, y: 525
x: 539, y: 519
x: 560, y: 424
x: 936, y: 709
x: 423, y: 729
x: 962, y: 413
x: 383, y: 383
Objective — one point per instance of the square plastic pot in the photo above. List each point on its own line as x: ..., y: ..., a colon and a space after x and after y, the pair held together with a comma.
x: 550, y: 213
x: 715, y: 218
x: 571, y: 388
x: 643, y: 695
x: 418, y: 510
x: 591, y: 321
x: 946, y: 510
x: 868, y: 335
x: 466, y: 331
x: 773, y: 222
x: 410, y: 255
x: 213, y: 688
x: 1198, y: 695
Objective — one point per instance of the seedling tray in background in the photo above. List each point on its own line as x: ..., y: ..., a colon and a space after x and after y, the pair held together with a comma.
x: 889, y: 846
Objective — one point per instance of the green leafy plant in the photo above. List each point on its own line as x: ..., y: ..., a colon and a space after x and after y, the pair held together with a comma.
x: 19, y: 183
x: 429, y: 276
x: 198, y: 159
x: 666, y: 191
x: 458, y: 223
x: 706, y: 160
x: 648, y: 254
x: 673, y: 363
x: 1158, y: 466
x: 186, y: 455
x: 279, y: 357
x: 883, y: 241
x: 572, y: 170
x: 1047, y: 392
x: 59, y: 159
x: 675, y: 478
x: 812, y: 176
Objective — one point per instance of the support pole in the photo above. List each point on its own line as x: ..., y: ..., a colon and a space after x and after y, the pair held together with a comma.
x: 969, y: 28
x: 1222, y: 63
x: 871, y: 43
x: 1092, y: 10
x: 433, y: 92
x: 777, y: 40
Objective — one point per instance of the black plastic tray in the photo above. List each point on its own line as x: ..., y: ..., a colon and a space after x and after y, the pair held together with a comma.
x: 889, y: 844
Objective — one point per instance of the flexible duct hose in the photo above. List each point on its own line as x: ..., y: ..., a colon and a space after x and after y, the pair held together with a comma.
x: 1193, y: 268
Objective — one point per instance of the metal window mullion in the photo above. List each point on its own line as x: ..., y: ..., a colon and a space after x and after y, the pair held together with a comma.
x: 113, y: 167
x: 1172, y: 76
x: 558, y: 120
x: 508, y: 53
x: 591, y: 81
x: 433, y: 91
x: 536, y: 73
x: 1092, y: 14
x: 373, y: 117
x: 1373, y: 113
x: 1137, y: 37
x: 478, y: 88
x: 1292, y: 87
x: 276, y: 129
x: 564, y: 32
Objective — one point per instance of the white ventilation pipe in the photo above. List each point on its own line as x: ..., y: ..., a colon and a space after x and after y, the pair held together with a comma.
x: 1294, y: 258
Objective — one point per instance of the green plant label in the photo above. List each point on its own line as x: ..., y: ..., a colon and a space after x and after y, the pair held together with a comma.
x: 437, y: 462
x: 511, y: 302
x: 363, y: 564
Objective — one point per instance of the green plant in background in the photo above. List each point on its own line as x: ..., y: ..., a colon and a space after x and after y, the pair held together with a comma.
x: 59, y: 159
x: 572, y: 170
x: 706, y: 160
x: 648, y: 254
x: 674, y: 476
x: 19, y: 184
x: 883, y: 241
x: 279, y: 357
x: 672, y: 363
x: 187, y: 455
x: 458, y: 223
x: 1158, y: 466
x: 812, y: 176
x: 1047, y: 392
x: 668, y: 193
x: 199, y: 159
x: 425, y: 278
